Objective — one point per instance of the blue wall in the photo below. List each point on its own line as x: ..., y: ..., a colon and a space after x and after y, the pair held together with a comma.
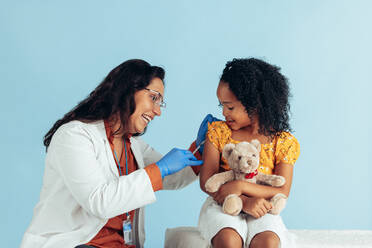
x: 53, y: 53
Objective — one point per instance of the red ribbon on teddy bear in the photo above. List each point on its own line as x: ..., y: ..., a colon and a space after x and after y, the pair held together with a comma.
x: 251, y: 175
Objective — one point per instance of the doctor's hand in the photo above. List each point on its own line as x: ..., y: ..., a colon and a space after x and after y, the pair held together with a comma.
x: 176, y: 160
x: 203, y: 130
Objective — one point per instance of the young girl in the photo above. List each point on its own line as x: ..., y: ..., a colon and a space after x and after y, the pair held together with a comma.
x: 254, y: 97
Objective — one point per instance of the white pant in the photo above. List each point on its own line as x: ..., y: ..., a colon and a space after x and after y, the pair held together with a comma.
x: 212, y: 220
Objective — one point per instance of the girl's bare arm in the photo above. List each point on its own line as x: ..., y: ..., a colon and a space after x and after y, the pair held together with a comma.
x: 211, y: 158
x: 255, y: 190
x: 240, y: 187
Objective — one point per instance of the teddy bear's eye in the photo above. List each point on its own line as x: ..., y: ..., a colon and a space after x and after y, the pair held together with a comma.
x: 254, y: 155
x: 240, y: 157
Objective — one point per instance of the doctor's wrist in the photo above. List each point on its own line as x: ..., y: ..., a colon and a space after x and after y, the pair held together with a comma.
x: 163, y: 169
x: 153, y: 171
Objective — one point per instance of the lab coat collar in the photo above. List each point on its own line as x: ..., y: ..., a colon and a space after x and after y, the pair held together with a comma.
x: 134, y: 147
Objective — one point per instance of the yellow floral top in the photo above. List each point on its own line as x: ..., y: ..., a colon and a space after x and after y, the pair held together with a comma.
x: 283, y: 148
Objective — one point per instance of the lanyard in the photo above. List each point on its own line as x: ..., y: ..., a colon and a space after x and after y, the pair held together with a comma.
x: 126, y: 164
x: 126, y: 160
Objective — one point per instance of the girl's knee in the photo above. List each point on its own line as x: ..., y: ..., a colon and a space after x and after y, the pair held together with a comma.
x: 227, y: 237
x: 265, y: 240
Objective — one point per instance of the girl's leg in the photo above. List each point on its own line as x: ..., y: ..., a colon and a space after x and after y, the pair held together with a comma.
x: 268, y: 231
x: 265, y: 239
x: 227, y: 237
x: 221, y: 229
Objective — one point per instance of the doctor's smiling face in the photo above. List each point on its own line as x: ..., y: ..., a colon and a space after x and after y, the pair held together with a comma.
x: 148, y: 103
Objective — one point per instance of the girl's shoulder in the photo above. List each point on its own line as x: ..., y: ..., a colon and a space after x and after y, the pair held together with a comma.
x: 285, y: 138
x: 285, y: 135
x: 219, y: 129
x: 219, y: 134
x: 287, y: 147
x: 219, y: 124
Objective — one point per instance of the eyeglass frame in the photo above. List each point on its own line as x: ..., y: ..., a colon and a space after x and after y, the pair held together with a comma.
x: 160, y: 101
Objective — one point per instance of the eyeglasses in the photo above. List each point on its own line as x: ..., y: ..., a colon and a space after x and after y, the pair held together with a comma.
x: 157, y: 98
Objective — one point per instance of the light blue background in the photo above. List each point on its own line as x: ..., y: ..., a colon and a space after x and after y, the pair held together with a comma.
x: 53, y: 53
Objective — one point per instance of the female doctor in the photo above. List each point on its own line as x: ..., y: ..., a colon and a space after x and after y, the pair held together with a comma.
x: 99, y: 174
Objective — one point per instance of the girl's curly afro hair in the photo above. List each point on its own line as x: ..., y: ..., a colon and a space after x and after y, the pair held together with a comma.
x: 262, y: 90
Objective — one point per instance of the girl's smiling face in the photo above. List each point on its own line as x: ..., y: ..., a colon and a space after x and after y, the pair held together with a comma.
x: 146, y: 108
x: 232, y: 109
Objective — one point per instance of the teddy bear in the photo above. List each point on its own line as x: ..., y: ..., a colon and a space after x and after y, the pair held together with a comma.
x: 243, y: 159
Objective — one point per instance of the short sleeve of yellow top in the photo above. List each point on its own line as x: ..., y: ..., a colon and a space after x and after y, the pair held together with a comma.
x: 283, y: 148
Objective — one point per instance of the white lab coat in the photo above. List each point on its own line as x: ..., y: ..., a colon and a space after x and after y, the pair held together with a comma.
x: 82, y: 188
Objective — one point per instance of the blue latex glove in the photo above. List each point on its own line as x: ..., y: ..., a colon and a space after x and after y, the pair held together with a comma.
x: 176, y: 160
x: 203, y: 130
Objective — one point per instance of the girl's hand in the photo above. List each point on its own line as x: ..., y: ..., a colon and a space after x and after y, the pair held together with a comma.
x: 255, y: 206
x: 233, y: 187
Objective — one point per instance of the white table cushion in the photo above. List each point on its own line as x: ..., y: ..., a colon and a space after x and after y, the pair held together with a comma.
x: 189, y: 237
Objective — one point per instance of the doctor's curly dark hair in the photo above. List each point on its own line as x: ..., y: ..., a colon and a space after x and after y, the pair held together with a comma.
x: 262, y: 90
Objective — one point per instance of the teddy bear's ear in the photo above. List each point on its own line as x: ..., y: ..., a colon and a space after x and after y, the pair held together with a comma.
x: 256, y: 144
x: 227, y: 150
